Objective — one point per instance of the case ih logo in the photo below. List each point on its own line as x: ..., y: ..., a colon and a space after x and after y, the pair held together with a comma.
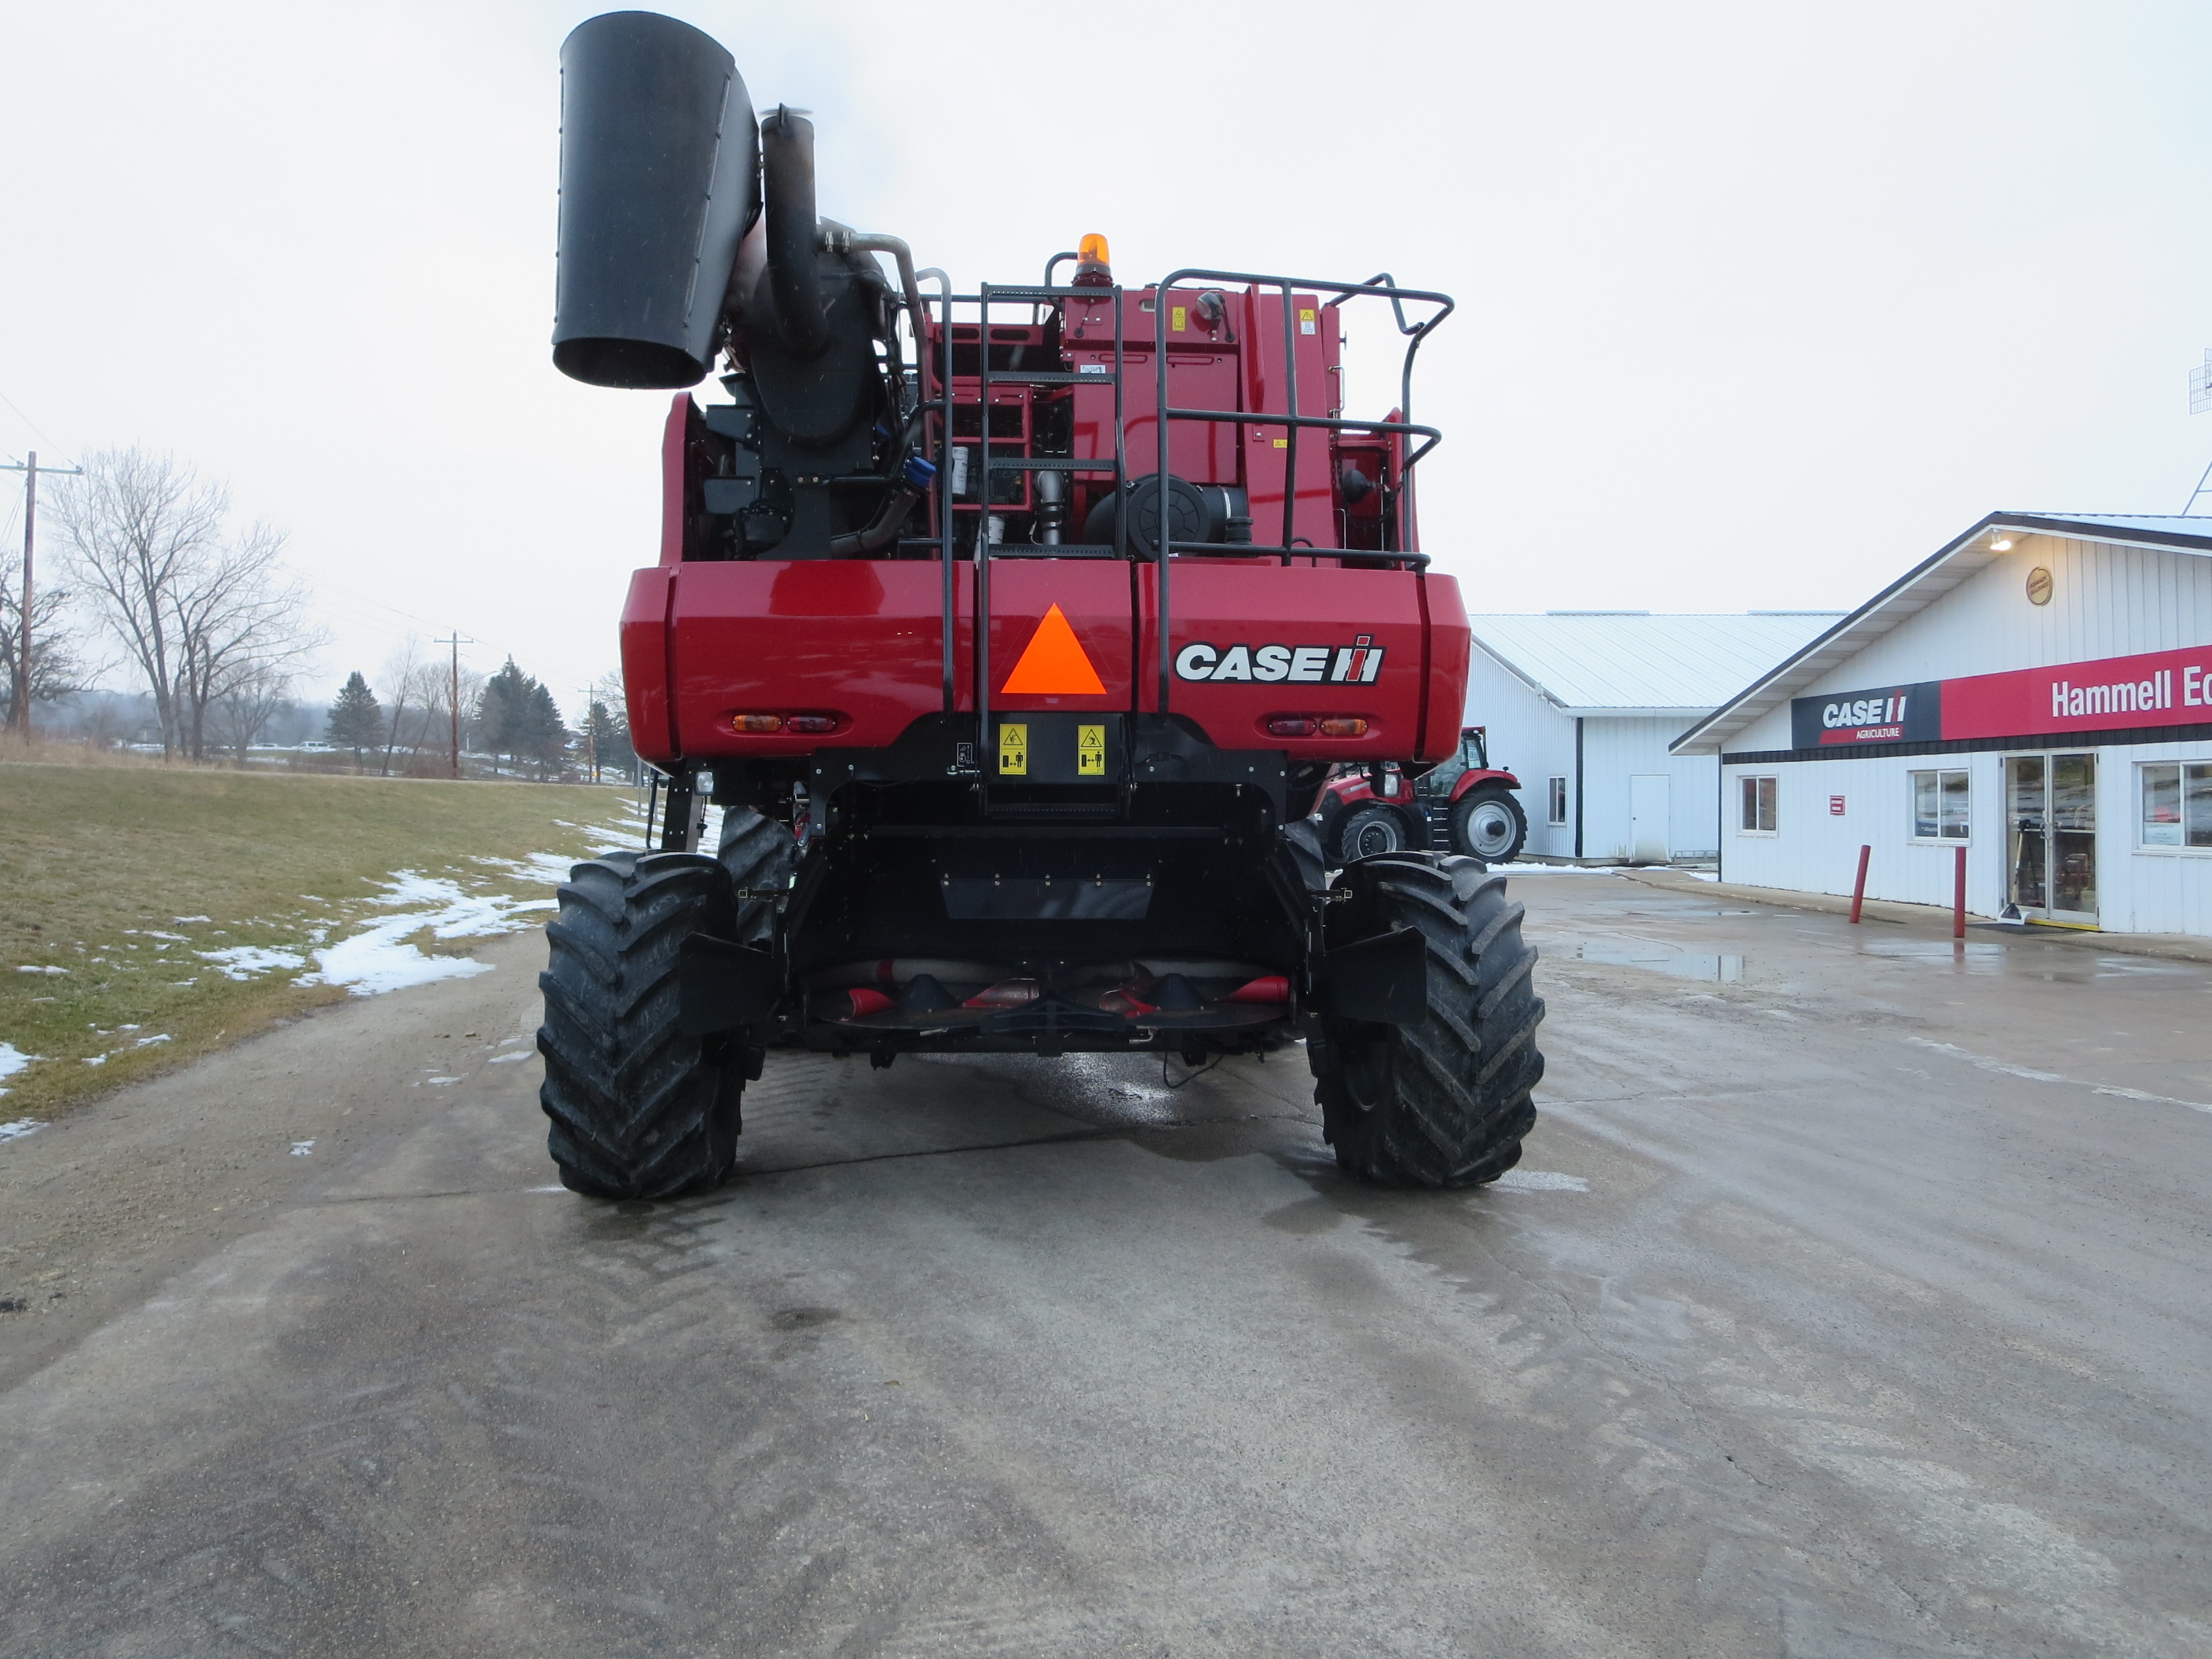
x: 1357, y: 663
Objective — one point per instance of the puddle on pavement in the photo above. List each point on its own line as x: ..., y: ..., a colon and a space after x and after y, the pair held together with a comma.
x: 2132, y: 967
x: 1681, y: 964
x: 1975, y: 959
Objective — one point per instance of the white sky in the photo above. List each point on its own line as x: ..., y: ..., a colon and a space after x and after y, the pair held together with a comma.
x: 1758, y: 303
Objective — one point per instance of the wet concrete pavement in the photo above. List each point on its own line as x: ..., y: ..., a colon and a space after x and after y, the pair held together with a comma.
x: 1850, y: 1301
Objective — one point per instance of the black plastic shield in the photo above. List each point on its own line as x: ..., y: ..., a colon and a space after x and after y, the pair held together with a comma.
x: 1384, y: 979
x: 721, y: 985
x: 659, y: 182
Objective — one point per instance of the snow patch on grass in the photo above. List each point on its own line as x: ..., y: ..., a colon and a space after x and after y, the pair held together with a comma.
x: 29, y: 969
x: 19, y: 1127
x: 379, y: 958
x: 12, y: 1061
x: 251, y: 961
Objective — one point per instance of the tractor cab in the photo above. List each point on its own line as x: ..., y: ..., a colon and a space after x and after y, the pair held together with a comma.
x: 1441, y: 781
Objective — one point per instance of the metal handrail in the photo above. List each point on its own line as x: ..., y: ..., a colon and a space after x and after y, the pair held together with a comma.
x: 1291, y: 418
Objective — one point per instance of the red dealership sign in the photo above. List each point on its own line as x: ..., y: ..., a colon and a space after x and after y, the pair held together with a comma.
x: 2111, y: 694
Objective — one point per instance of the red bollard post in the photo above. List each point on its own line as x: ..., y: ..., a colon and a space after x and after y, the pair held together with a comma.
x: 1959, y: 898
x: 1858, y: 887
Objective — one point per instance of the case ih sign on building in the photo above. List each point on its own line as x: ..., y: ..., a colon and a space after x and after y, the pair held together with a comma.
x: 2113, y: 694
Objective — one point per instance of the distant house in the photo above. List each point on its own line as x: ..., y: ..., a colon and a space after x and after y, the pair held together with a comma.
x: 1581, y: 706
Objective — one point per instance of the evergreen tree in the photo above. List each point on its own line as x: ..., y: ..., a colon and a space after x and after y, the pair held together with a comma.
x: 502, y: 710
x: 357, y: 721
x: 605, y: 738
x: 543, y: 735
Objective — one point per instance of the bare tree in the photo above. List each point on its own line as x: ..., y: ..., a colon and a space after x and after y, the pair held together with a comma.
x: 243, y: 710
x: 198, y: 610
x: 416, y: 685
x: 55, y: 668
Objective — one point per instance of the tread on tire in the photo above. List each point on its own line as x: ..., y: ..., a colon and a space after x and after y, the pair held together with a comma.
x: 639, y: 1110
x: 1446, y: 1101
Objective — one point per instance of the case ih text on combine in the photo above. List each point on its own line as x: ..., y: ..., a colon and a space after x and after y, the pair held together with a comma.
x: 1016, y: 633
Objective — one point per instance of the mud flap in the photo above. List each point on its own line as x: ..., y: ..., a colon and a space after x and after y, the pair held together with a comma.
x: 1383, y: 980
x: 721, y: 985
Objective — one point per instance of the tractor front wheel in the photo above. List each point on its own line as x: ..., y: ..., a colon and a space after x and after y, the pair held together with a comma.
x: 639, y: 1109
x: 1489, y: 824
x: 1445, y: 1102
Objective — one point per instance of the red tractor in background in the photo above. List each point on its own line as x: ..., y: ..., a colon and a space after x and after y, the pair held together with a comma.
x: 1016, y: 634
x: 1463, y: 805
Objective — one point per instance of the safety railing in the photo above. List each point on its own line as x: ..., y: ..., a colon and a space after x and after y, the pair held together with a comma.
x: 1295, y: 422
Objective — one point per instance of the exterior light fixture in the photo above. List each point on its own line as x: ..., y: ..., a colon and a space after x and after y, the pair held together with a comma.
x: 2000, y: 545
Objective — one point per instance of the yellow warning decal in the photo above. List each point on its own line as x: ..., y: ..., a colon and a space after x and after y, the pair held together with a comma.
x: 1013, y: 750
x: 1089, y: 751
x: 1178, y: 318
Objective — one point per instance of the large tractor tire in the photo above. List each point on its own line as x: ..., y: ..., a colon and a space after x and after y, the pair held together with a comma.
x: 1368, y: 831
x: 1444, y: 1102
x: 760, y: 855
x: 639, y: 1110
x: 1489, y: 824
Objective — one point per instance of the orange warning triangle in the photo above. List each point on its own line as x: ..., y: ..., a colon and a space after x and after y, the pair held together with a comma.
x: 1054, y: 665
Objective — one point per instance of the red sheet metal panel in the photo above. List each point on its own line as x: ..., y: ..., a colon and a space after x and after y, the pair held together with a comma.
x: 644, y: 639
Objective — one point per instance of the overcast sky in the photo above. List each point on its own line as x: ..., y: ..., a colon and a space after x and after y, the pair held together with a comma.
x: 1758, y: 303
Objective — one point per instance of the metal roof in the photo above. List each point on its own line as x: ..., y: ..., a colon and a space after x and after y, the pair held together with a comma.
x: 1920, y: 587
x: 1634, y: 663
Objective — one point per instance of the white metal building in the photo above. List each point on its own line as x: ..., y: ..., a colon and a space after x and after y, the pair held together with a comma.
x: 2038, y: 692
x: 1581, y: 706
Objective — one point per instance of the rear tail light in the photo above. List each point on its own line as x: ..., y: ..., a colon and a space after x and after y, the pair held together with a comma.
x: 1315, y: 726
x: 754, y: 725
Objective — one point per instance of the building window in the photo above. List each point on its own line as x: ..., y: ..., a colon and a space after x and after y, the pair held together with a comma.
x: 1558, y: 801
x: 2176, y: 804
x: 1758, y: 814
x: 1940, y: 801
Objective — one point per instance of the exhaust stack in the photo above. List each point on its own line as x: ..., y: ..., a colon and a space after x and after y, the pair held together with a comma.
x: 659, y: 183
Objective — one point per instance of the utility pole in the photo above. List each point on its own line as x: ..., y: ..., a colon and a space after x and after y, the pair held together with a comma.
x: 591, y: 730
x: 19, y: 715
x: 453, y: 697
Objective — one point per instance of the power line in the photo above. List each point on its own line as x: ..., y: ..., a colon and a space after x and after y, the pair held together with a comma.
x: 27, y: 421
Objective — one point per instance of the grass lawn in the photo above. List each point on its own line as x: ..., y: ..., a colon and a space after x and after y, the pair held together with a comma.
x: 125, y: 879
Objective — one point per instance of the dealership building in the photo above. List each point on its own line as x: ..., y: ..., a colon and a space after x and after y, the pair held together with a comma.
x: 2038, y: 693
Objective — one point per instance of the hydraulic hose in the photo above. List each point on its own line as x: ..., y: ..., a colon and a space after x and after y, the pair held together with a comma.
x: 914, y: 483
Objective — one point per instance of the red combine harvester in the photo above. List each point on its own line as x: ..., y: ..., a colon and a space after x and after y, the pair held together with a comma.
x: 1016, y: 634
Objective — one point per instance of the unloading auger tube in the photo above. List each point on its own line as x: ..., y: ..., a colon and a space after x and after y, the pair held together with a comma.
x: 1018, y: 743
